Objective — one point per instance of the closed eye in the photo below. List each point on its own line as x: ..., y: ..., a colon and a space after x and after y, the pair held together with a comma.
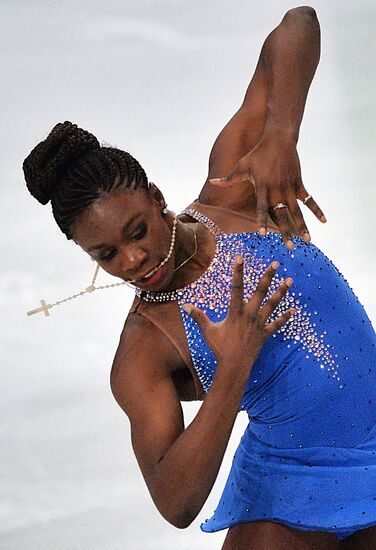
x: 140, y: 234
x: 107, y: 256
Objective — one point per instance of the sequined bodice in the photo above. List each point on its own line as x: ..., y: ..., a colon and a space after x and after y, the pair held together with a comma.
x: 316, y: 350
x: 307, y: 456
x: 313, y: 350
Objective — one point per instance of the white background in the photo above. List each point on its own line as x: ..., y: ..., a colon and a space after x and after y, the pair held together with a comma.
x: 159, y: 79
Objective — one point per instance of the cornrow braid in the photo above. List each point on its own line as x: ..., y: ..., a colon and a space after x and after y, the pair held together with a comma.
x: 71, y: 169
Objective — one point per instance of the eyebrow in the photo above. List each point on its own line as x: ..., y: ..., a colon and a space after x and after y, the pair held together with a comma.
x: 124, y: 230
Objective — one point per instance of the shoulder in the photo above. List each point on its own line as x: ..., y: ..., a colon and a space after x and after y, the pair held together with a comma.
x: 142, y: 385
x: 228, y: 219
x: 143, y: 347
x: 146, y: 354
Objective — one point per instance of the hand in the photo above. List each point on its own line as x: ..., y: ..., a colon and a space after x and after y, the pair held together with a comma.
x: 273, y: 168
x: 241, y: 335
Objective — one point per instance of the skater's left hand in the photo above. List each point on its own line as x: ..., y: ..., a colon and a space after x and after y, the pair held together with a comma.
x: 273, y: 168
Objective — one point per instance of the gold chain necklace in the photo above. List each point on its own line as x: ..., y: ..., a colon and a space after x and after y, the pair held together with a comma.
x: 185, y: 261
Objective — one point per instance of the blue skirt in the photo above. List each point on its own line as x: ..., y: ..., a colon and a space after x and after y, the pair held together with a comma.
x: 316, y: 488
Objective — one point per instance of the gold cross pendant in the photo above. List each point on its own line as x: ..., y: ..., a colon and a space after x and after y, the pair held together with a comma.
x: 44, y: 307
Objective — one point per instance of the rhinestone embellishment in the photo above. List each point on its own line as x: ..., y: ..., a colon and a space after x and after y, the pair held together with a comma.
x: 212, y: 292
x: 213, y: 296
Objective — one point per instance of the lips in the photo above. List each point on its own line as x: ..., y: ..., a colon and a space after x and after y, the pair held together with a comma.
x: 146, y: 272
x: 153, y: 279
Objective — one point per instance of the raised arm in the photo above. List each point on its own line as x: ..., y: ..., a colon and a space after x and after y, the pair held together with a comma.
x: 289, y: 58
x: 258, y: 145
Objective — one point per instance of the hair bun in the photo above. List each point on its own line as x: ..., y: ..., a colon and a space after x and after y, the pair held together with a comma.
x: 48, y: 161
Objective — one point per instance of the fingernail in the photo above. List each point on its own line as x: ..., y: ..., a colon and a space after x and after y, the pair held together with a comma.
x: 216, y: 180
x: 239, y: 260
x: 289, y: 281
x: 262, y: 231
x: 289, y: 244
x: 187, y: 308
x: 323, y: 218
x: 306, y: 237
x: 275, y: 265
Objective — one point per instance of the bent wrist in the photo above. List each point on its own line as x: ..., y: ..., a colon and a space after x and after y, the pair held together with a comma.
x: 280, y: 132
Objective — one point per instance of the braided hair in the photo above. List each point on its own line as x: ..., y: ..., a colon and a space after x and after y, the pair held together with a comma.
x: 71, y: 169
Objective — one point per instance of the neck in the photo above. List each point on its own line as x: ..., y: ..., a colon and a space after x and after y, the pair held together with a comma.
x: 185, y: 247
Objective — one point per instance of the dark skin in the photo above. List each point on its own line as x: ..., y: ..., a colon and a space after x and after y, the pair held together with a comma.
x: 128, y: 254
x: 264, y: 132
x: 260, y: 143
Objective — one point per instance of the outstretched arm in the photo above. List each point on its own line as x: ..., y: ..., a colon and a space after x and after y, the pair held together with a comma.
x: 288, y: 61
x: 260, y: 139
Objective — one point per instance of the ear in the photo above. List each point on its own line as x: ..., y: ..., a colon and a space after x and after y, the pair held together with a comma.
x: 156, y: 195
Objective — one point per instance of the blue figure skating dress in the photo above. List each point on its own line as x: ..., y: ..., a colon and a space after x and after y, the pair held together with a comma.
x: 307, y: 458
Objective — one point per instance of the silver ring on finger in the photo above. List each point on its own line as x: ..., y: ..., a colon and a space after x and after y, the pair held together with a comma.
x: 307, y: 198
x: 280, y: 205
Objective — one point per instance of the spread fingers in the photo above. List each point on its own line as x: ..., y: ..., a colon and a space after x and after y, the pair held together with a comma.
x: 275, y: 299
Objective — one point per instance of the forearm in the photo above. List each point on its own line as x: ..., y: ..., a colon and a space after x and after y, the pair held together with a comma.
x: 187, y: 472
x: 290, y: 56
x: 275, y: 98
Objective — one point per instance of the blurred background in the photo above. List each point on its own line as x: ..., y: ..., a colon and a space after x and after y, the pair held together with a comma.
x: 159, y: 79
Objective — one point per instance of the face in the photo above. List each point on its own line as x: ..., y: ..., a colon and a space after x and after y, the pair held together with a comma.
x: 127, y: 234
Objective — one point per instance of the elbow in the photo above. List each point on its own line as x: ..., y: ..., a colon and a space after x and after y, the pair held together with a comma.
x: 174, y: 501
x: 180, y: 521
x: 177, y: 514
x: 302, y: 11
x: 174, y: 511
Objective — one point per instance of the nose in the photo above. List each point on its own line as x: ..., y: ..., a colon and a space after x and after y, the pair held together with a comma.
x: 132, y: 260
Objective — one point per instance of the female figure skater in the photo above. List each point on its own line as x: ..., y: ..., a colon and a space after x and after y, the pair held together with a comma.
x: 299, y: 359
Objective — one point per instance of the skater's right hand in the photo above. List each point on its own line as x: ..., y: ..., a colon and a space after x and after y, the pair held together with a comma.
x: 241, y: 335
